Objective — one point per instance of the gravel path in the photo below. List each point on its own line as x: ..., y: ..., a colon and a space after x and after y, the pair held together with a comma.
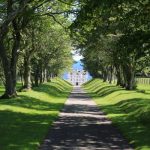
x: 82, y: 126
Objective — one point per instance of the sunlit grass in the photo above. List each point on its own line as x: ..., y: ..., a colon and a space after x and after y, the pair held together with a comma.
x: 129, y: 110
x: 1, y: 89
x: 25, y: 120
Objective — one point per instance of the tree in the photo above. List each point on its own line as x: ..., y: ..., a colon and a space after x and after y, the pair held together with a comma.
x: 15, y: 18
x: 125, y: 21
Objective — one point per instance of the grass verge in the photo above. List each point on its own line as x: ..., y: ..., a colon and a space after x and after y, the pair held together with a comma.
x: 129, y: 110
x: 25, y: 120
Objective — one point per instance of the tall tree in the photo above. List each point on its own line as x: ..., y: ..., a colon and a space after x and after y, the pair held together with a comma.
x: 15, y: 16
x: 125, y: 21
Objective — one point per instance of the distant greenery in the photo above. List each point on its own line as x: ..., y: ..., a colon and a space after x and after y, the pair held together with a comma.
x: 25, y: 120
x: 129, y: 110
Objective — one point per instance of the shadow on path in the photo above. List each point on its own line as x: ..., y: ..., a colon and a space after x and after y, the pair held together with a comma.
x: 82, y: 126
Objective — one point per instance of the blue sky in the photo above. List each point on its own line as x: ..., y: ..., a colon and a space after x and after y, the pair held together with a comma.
x: 77, y: 66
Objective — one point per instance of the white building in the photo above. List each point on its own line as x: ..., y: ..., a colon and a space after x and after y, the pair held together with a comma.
x: 77, y: 77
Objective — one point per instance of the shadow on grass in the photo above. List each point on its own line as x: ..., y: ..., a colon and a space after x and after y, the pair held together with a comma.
x: 136, y: 130
x: 103, y: 90
x: 130, y: 105
x: 23, y: 131
x: 137, y: 108
x: 129, y: 114
x: 88, y: 82
x: 132, y: 108
x: 24, y: 121
x: 54, y: 89
x: 146, y: 92
x: 68, y: 83
x: 126, y: 115
x: 32, y: 103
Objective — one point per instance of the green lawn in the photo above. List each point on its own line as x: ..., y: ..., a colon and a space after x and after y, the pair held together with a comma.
x: 25, y: 120
x: 129, y: 110
x: 1, y: 89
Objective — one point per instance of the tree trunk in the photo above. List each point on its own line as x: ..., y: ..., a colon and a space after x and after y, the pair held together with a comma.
x: 10, y: 85
x: 9, y: 62
x: 119, y: 75
x: 48, y: 76
x: 111, y: 74
x: 130, y: 85
x: 45, y: 75
x: 9, y: 66
x: 105, y: 74
x: 36, y: 76
x: 27, y: 74
x: 51, y: 77
x: 41, y: 76
x: 10, y: 76
x: 21, y: 76
x: 129, y: 77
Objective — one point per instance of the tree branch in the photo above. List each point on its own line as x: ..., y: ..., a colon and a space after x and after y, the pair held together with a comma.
x: 11, y: 17
x: 56, y: 20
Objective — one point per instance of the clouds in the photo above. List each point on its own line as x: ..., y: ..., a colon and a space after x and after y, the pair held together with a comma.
x: 77, y: 57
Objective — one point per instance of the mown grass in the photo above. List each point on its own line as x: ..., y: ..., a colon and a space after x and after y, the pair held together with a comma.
x: 129, y: 110
x: 18, y: 86
x: 25, y: 120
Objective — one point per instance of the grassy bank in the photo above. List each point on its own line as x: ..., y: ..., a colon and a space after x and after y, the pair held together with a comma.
x: 25, y: 120
x: 129, y: 110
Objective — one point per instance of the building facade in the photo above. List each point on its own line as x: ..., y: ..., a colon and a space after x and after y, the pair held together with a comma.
x: 77, y: 77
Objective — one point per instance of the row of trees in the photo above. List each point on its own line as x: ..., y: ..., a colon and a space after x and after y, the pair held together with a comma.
x: 33, y: 41
x: 114, y: 39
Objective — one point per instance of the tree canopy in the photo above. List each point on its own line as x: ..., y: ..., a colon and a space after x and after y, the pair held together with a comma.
x: 36, y: 43
x: 114, y: 38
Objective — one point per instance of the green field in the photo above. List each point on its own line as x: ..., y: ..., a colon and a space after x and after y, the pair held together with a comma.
x: 25, y: 120
x: 129, y: 110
